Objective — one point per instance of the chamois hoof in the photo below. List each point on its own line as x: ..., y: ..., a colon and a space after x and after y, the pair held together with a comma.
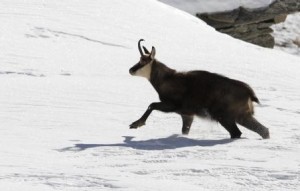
x: 136, y: 124
x: 266, y: 134
x: 185, y: 131
x: 236, y: 135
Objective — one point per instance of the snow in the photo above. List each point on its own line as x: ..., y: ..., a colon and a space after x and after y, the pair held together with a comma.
x: 287, y: 34
x: 67, y: 100
x: 209, y: 6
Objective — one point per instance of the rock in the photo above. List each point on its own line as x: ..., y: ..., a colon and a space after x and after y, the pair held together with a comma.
x: 252, y: 25
x: 280, y: 18
x: 266, y: 24
x: 228, y: 17
x: 210, y: 21
x: 297, y: 41
x: 265, y: 40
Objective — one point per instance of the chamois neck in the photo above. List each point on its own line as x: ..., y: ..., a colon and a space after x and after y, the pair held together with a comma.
x: 159, y: 73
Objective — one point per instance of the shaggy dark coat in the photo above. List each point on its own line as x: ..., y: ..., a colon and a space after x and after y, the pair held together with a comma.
x: 198, y: 93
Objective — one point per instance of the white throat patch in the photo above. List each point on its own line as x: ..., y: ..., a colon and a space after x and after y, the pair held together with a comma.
x: 145, y: 71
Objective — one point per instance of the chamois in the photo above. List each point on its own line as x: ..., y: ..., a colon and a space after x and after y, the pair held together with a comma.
x: 198, y: 93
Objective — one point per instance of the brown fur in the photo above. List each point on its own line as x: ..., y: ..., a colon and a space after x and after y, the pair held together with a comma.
x: 195, y: 91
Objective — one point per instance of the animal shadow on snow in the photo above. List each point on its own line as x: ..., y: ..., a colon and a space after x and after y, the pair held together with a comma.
x: 172, y: 142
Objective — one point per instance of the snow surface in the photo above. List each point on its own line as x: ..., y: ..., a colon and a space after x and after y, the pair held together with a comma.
x: 287, y: 34
x: 209, y: 6
x: 67, y: 100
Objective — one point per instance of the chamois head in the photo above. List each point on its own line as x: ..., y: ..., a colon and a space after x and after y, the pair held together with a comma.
x: 144, y: 66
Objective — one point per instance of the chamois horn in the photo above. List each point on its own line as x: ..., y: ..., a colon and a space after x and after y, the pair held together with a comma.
x: 139, y: 46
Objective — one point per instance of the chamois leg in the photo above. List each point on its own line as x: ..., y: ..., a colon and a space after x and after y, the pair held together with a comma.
x: 252, y: 124
x: 187, y: 121
x: 231, y: 127
x: 160, y: 106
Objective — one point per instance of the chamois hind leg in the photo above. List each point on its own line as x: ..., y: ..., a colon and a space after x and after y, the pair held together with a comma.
x: 231, y: 127
x: 187, y: 121
x: 252, y: 124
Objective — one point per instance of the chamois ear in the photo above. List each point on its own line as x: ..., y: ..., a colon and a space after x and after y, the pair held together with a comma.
x: 152, y: 55
x: 145, y: 50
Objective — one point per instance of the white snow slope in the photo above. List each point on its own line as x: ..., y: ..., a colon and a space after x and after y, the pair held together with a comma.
x: 287, y: 34
x: 67, y: 100
x: 208, y: 6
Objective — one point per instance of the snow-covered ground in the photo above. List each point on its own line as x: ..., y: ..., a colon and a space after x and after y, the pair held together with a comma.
x: 287, y: 34
x: 67, y: 100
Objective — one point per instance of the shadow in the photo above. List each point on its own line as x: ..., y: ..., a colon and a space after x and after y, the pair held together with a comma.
x: 172, y: 142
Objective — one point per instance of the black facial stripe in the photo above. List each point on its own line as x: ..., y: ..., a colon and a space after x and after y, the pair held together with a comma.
x: 136, y: 67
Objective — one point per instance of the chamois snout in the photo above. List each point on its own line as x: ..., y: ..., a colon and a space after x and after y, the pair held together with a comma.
x: 131, y: 71
x: 134, y: 69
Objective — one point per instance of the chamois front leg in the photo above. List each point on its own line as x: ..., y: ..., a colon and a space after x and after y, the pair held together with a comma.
x: 160, y: 106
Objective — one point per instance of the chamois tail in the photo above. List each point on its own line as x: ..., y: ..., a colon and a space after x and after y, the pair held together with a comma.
x: 254, y: 98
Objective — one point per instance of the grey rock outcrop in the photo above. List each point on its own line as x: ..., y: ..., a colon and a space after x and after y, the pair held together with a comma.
x: 252, y: 25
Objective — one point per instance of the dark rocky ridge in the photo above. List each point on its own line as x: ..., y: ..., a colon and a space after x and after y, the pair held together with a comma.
x: 252, y: 25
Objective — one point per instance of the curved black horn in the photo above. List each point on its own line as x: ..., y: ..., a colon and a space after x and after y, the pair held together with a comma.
x: 139, y: 46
